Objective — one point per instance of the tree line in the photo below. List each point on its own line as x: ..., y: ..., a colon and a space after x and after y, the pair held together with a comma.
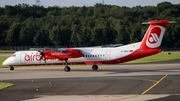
x: 31, y: 25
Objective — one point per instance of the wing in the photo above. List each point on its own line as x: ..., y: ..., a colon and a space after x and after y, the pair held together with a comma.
x: 60, y: 54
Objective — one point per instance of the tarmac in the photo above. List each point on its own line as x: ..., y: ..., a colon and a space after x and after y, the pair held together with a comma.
x: 121, y: 82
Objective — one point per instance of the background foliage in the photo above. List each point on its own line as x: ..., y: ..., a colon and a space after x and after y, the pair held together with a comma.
x: 25, y: 25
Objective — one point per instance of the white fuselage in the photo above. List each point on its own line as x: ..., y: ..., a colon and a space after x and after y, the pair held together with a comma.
x: 91, y: 54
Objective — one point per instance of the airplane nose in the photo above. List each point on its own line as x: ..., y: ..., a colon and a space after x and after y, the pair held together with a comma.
x: 5, y: 63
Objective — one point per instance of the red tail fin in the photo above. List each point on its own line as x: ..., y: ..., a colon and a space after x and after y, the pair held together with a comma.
x: 154, y: 34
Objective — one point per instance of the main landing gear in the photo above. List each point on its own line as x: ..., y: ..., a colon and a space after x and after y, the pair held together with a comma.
x: 95, y: 67
x: 67, y: 68
x: 11, y: 68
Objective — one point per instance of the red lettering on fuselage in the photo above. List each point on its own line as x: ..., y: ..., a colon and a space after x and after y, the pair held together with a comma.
x: 60, y: 53
x: 34, y: 57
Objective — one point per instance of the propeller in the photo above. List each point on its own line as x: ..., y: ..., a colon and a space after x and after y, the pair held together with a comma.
x: 42, y: 55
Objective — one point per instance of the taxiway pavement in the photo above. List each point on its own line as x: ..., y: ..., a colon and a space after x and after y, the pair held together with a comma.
x: 120, y: 82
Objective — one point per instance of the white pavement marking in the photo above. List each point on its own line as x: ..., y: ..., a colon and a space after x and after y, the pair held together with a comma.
x: 97, y: 98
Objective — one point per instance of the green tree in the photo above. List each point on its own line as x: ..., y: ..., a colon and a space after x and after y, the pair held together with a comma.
x: 97, y: 36
x: 12, y: 37
x: 122, y: 35
x: 10, y: 10
x: 27, y: 33
x: 25, y: 24
x: 41, y: 38
x: 76, y: 36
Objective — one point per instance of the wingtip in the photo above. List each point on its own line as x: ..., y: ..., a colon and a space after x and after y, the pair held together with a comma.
x: 144, y: 22
x: 172, y: 21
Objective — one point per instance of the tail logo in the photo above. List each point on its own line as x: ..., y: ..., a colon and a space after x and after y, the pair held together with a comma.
x: 155, y: 35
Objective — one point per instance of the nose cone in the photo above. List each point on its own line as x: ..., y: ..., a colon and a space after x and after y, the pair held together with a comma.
x: 11, y: 61
x: 5, y: 63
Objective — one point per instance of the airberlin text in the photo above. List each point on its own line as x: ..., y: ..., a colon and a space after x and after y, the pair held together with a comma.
x: 60, y: 53
x: 33, y: 57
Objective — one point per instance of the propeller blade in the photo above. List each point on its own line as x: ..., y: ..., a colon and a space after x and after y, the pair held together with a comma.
x: 42, y: 55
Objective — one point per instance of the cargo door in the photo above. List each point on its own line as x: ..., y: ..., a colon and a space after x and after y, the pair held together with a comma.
x: 22, y: 58
x: 107, y: 55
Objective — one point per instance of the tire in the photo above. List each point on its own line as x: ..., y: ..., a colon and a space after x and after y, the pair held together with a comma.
x: 95, y: 67
x: 11, y: 68
x: 67, y: 69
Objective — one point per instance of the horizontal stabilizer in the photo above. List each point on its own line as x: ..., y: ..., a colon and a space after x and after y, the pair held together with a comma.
x: 172, y: 21
x: 159, y: 22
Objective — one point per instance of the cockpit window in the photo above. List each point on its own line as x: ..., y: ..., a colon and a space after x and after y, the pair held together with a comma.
x: 14, y: 55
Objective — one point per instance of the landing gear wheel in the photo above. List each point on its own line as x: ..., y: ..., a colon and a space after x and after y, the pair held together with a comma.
x: 95, y: 67
x: 67, y: 69
x: 11, y: 68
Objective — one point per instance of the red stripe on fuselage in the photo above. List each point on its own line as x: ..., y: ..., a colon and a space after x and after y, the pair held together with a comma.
x: 139, y: 53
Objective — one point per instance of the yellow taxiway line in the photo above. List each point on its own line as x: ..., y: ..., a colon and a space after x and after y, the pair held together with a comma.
x: 157, y: 82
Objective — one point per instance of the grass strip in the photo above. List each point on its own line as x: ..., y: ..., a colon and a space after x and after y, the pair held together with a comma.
x: 2, y: 58
x: 4, y: 85
x: 163, y: 56
x: 7, y: 51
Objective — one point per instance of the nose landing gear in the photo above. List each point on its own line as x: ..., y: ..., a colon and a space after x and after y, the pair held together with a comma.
x: 11, y: 68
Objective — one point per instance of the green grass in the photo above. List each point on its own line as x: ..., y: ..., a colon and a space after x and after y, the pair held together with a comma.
x: 163, y: 56
x: 4, y: 85
x: 2, y: 58
x: 7, y: 51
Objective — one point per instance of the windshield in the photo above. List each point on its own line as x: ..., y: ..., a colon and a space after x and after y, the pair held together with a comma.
x: 14, y: 55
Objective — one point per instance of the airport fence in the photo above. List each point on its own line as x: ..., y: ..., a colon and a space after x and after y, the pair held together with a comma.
x: 170, y: 49
x: 19, y: 47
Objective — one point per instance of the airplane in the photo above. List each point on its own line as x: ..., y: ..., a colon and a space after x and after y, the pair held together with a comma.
x: 149, y: 45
